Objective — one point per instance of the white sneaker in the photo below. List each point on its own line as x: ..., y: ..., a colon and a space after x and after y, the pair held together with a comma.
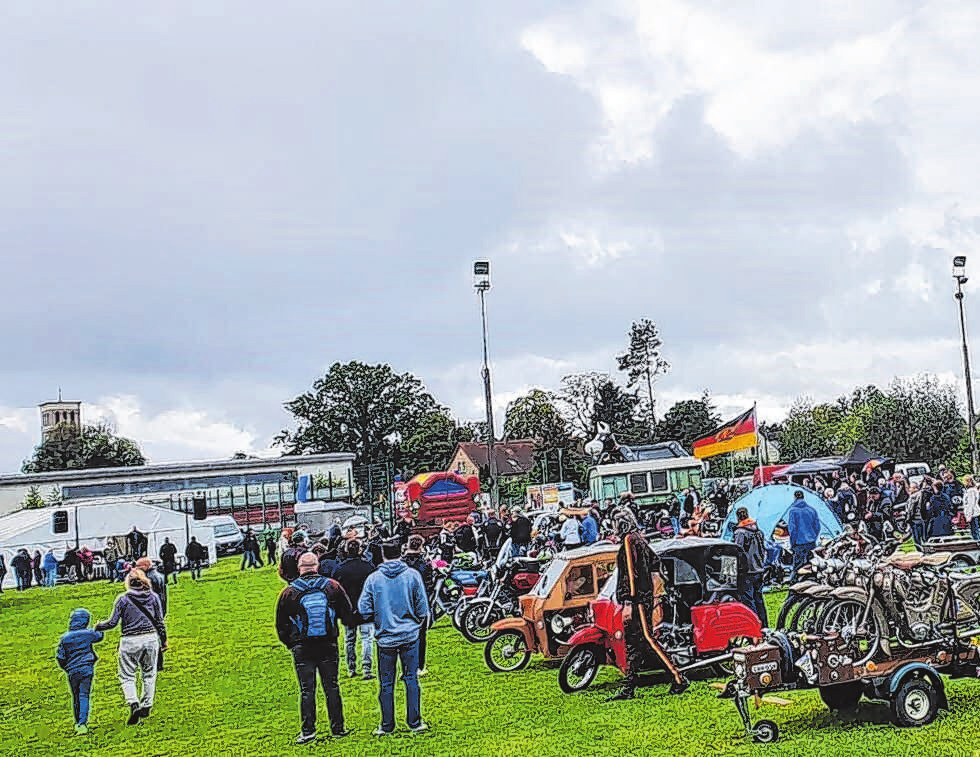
x: 422, y: 672
x: 382, y: 732
x: 305, y: 738
x: 420, y: 728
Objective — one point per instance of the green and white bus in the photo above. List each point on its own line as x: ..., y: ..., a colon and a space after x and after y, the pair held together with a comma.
x: 652, y: 482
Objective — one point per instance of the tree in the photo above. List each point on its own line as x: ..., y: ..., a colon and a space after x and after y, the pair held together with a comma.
x: 588, y: 398
x: 97, y: 446
x: 33, y: 500
x: 643, y: 362
x: 431, y: 443
x: 535, y: 415
x: 689, y: 420
x: 359, y: 408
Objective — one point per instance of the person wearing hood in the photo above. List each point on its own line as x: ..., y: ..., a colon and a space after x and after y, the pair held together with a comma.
x: 289, y: 561
x: 748, y: 536
x: 144, y: 636
x: 77, y: 658
x: 394, y: 600
x: 50, y: 566
x: 306, y: 623
x: 803, y: 525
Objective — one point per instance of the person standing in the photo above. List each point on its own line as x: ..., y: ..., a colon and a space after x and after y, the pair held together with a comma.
x: 3, y: 571
x: 590, y: 528
x: 748, y: 536
x: 414, y: 559
x: 493, y: 533
x: 971, y: 506
x: 569, y: 532
x: 520, y: 534
x: 37, y: 566
x: 354, y: 571
x: 939, y: 510
x: 270, y: 548
x: 168, y: 556
x: 289, y: 562
x: 144, y: 636
x: 250, y: 550
x: 110, y: 554
x: 916, y: 516
x: 674, y: 510
x: 194, y: 553
x: 158, y: 584
x: 394, y: 600
x: 77, y: 658
x: 803, y: 525
x: 136, y: 543
x: 21, y: 563
x: 50, y: 568
x: 306, y: 623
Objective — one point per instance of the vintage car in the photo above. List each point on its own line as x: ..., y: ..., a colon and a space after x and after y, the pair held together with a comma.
x: 695, y: 619
x: 552, y: 611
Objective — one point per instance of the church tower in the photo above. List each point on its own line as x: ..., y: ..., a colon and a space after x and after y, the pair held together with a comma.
x: 60, y: 412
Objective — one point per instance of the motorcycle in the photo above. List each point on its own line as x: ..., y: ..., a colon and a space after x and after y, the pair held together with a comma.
x: 453, y: 585
x: 912, y: 599
x: 510, y: 578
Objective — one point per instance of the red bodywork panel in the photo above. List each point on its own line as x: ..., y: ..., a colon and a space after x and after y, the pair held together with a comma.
x: 716, y: 624
x: 524, y: 582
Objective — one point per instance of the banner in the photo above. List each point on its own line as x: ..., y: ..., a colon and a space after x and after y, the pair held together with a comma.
x: 733, y: 436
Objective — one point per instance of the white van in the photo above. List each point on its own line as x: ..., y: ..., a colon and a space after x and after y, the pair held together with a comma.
x: 913, y: 472
x: 228, y: 536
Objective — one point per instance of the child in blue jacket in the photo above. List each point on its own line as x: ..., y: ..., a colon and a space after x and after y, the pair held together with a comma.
x: 77, y: 658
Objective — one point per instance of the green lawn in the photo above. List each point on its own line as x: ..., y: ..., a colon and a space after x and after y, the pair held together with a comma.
x: 229, y: 689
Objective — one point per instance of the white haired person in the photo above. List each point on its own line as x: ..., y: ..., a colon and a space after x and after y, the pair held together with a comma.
x: 144, y: 636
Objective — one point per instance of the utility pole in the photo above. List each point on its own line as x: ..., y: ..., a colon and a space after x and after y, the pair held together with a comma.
x: 481, y: 281
x: 959, y: 274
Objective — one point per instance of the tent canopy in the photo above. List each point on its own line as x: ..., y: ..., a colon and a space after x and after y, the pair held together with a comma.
x: 768, y: 505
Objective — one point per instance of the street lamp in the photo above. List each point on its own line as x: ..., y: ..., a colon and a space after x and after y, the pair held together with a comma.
x: 959, y: 273
x: 481, y: 282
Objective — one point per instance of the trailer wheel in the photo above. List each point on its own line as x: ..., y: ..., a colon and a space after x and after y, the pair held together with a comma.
x: 915, y: 703
x: 765, y: 732
x: 960, y: 562
x: 843, y: 696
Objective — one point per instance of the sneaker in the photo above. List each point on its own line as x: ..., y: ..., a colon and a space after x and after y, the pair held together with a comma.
x: 305, y: 738
x: 382, y: 732
x: 341, y: 734
x: 422, y: 672
x: 144, y: 712
x: 134, y: 714
x: 81, y: 729
x: 420, y: 728
x: 368, y: 677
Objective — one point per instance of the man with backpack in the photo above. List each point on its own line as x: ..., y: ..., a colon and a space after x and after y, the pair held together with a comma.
x: 306, y: 622
x: 748, y: 536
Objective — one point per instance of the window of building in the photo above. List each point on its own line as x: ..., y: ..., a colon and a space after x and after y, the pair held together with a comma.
x: 638, y: 483
x: 659, y: 481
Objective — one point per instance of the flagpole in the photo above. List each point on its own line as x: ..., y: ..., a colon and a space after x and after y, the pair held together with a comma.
x: 758, y: 436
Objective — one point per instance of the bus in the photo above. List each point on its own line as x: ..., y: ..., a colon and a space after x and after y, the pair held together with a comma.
x: 653, y: 482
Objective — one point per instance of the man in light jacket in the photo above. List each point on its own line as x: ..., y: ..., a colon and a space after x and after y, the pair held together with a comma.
x: 394, y: 600
x: 803, y: 525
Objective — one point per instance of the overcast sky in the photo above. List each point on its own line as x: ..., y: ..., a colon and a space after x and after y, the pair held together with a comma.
x: 204, y: 205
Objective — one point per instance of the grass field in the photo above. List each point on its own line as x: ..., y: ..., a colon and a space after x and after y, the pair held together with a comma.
x: 229, y: 689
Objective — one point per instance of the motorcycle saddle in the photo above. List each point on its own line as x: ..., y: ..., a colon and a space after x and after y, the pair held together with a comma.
x: 909, y: 560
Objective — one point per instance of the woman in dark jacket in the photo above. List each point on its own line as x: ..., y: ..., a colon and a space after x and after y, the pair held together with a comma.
x: 940, y: 512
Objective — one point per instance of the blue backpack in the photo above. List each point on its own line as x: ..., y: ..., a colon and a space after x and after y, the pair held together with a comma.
x: 317, y: 619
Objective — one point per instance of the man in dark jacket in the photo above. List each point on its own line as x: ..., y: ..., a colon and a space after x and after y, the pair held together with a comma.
x: 466, y: 536
x: 168, y: 556
x: 748, y: 536
x: 136, y: 543
x: 289, y: 562
x: 520, y: 533
x: 195, y: 556
x: 636, y: 578
x: 250, y: 551
x: 493, y: 534
x: 353, y: 572
x: 306, y: 622
x: 21, y: 563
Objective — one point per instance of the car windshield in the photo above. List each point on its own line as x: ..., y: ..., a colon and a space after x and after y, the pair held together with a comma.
x: 226, y: 529
x: 548, y: 578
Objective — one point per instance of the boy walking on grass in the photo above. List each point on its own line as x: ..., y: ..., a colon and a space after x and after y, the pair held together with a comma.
x: 77, y: 658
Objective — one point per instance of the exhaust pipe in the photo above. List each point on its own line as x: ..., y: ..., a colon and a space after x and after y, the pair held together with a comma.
x: 705, y: 663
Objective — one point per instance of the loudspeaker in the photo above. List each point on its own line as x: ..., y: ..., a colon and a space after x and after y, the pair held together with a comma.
x: 200, y: 507
x: 59, y: 522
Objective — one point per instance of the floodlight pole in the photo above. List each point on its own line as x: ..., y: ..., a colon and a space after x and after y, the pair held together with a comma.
x: 961, y: 279
x: 483, y: 286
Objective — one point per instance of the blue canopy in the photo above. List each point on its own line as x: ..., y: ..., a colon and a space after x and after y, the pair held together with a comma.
x: 768, y: 505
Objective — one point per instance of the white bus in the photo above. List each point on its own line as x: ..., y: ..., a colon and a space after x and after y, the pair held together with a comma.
x: 652, y: 482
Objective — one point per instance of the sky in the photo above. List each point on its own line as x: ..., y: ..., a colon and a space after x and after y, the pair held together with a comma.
x: 205, y: 205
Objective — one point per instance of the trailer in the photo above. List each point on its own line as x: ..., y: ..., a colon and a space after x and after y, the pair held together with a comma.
x: 910, y: 682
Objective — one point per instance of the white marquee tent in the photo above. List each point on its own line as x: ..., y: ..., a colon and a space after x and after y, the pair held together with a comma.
x: 96, y: 523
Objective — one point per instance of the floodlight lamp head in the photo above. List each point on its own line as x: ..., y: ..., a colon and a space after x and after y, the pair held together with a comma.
x: 959, y: 267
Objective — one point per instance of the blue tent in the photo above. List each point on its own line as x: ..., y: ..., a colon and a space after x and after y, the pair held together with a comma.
x: 768, y: 505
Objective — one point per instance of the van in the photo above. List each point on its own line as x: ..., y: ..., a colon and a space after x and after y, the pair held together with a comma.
x: 228, y: 536
x: 913, y: 472
x: 653, y: 483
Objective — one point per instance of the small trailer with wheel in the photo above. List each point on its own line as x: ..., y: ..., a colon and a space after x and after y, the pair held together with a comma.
x: 911, y: 682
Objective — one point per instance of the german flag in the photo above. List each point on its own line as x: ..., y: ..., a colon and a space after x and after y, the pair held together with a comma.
x: 734, y: 435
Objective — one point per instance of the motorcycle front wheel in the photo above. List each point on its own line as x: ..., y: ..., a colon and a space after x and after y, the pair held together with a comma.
x: 844, y: 617
x: 507, y: 652
x: 475, y: 623
x: 579, y: 668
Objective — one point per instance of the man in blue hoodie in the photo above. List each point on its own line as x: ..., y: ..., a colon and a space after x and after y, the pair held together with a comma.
x: 394, y: 600
x: 803, y: 525
x: 77, y: 658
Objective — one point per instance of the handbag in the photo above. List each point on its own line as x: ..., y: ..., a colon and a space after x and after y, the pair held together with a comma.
x: 155, y: 627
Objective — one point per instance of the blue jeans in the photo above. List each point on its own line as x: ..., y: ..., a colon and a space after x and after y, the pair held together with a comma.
x: 409, y: 656
x: 350, y: 646
x: 81, y: 686
x: 675, y: 523
x: 918, y: 533
x: 801, y: 556
x: 975, y: 528
x: 308, y: 662
x: 751, y: 596
x: 51, y: 577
